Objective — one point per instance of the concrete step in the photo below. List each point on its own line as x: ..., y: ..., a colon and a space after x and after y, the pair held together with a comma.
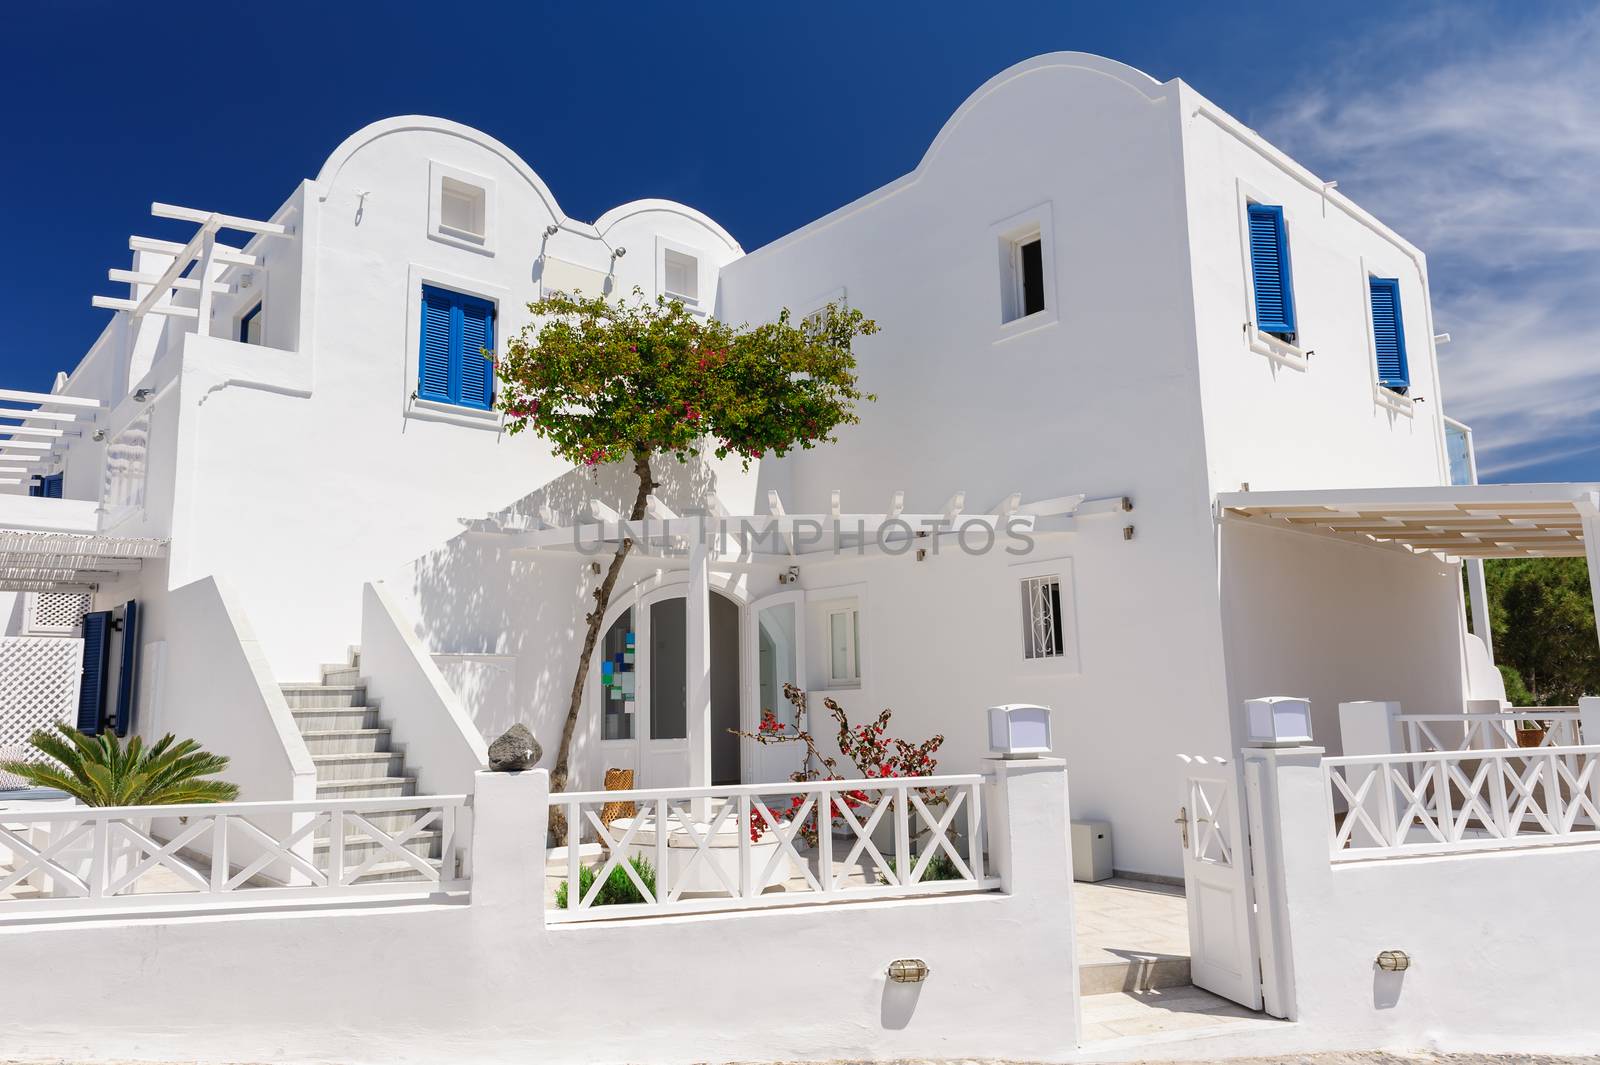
x: 357, y: 766
x: 341, y: 674
x: 308, y: 696
x: 339, y: 717
x: 375, y: 787
x: 346, y: 741
x: 1139, y: 972
x: 359, y: 847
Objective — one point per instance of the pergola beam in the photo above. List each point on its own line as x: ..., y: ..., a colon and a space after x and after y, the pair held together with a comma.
x: 50, y: 399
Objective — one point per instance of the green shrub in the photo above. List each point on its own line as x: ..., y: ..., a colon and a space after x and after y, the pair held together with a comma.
x: 618, y: 888
x: 940, y: 867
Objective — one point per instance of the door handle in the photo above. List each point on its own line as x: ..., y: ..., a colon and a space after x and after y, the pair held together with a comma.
x: 1182, y: 820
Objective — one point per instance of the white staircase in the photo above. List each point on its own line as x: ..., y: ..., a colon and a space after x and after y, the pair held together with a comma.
x: 350, y: 748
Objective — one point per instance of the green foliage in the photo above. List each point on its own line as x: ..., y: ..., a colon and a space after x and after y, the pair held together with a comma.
x: 617, y: 889
x: 1542, y: 614
x: 940, y: 867
x: 1516, y: 691
x: 607, y: 381
x: 103, y: 771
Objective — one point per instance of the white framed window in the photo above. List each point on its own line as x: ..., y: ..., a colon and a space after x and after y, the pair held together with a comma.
x: 1042, y: 602
x: 811, y: 320
x: 461, y: 208
x: 680, y: 275
x: 844, y: 646
x: 1028, y: 295
x: 250, y: 324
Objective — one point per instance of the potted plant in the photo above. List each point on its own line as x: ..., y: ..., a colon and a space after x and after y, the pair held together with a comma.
x: 1531, y: 733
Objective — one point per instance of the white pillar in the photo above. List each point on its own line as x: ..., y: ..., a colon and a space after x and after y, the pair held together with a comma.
x: 1589, y: 720
x: 1369, y: 728
x: 1480, y: 605
x: 202, y: 271
x: 697, y: 649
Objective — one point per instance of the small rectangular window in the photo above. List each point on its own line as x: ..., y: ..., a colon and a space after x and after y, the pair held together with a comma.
x: 1042, y: 635
x: 844, y: 646
x: 1389, y: 334
x: 1023, y: 287
x: 462, y: 208
x: 1270, y: 275
x: 680, y: 275
x: 250, y: 325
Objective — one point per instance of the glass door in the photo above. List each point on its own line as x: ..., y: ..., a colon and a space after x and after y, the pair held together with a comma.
x: 776, y: 645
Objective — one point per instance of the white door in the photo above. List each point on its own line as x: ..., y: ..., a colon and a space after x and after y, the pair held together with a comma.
x: 664, y: 691
x: 775, y: 645
x: 1223, y: 957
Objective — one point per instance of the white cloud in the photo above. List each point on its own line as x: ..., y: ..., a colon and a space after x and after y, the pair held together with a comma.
x: 1485, y: 157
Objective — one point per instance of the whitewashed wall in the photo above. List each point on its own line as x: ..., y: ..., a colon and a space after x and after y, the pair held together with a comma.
x: 1282, y: 423
x: 1338, y: 622
x: 489, y: 982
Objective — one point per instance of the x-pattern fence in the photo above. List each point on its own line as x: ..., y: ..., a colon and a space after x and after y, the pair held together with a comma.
x: 229, y: 852
x: 1480, y: 732
x: 750, y: 846
x: 1385, y: 805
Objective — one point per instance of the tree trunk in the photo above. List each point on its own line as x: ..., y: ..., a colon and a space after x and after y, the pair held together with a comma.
x: 596, y: 618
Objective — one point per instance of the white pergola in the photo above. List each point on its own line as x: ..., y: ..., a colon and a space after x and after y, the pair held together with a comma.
x: 28, y: 446
x: 1454, y: 523
x: 153, y: 293
x: 716, y: 540
x: 33, y: 561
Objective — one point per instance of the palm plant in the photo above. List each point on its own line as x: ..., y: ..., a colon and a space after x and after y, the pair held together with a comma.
x: 103, y: 771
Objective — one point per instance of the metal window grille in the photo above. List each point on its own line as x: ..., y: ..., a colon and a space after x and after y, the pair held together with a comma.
x: 1041, y: 617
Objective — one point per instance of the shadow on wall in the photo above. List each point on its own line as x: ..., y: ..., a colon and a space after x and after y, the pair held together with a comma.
x: 473, y: 597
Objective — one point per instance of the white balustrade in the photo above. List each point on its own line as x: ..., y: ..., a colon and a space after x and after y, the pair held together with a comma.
x: 227, y: 853
x: 1447, y: 801
x: 757, y: 845
x: 1478, y: 732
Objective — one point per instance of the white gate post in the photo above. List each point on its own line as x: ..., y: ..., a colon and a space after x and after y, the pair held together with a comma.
x: 1284, y: 791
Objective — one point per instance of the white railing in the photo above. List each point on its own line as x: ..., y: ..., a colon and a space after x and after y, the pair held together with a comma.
x: 230, y: 853
x: 1399, y: 804
x: 1426, y: 733
x: 758, y: 845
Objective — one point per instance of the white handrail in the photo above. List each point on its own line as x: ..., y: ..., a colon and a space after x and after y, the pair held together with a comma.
x: 1444, y: 801
x: 727, y: 848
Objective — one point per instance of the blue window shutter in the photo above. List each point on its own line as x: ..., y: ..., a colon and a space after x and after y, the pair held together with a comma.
x: 477, y: 336
x: 433, y: 363
x: 96, y: 660
x: 128, y: 675
x: 1389, y: 334
x: 51, y: 486
x: 1269, y: 270
x: 37, y: 487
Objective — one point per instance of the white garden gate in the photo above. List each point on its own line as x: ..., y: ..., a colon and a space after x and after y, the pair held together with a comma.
x: 1223, y: 954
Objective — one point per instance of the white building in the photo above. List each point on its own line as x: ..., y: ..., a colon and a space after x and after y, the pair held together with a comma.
x: 1105, y: 305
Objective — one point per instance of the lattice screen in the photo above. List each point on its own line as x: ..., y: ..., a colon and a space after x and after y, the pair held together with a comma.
x: 39, y: 678
x: 57, y: 612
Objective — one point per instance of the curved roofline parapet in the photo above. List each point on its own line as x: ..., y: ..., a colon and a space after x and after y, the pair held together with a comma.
x: 1135, y: 79
x: 405, y: 123
x: 633, y: 207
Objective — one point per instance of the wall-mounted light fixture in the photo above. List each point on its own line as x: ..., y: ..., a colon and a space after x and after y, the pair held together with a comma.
x: 142, y: 395
x: 551, y: 230
x: 99, y: 434
x: 617, y: 253
x: 908, y: 970
x: 1394, y: 961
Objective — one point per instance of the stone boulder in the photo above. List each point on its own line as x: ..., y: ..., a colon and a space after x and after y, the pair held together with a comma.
x: 515, y: 751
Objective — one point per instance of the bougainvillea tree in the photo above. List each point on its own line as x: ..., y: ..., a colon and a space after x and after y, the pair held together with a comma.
x: 875, y: 754
x: 640, y: 381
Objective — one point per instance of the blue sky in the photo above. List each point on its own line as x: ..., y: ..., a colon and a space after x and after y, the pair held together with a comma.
x: 1473, y: 129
